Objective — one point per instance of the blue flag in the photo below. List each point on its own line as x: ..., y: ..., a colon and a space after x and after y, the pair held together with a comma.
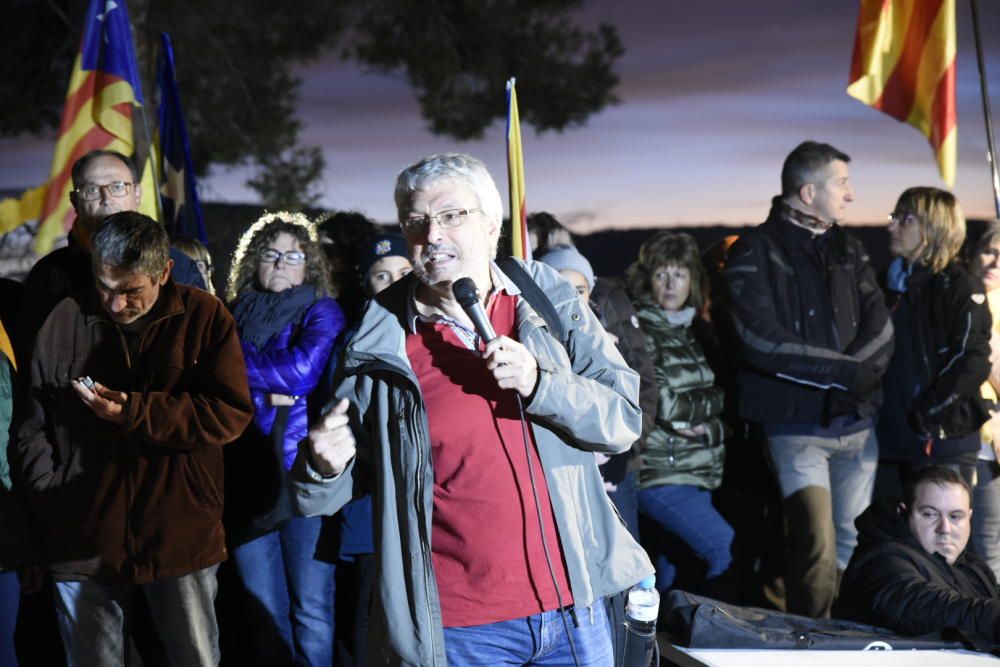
x: 178, y: 189
x: 107, y: 43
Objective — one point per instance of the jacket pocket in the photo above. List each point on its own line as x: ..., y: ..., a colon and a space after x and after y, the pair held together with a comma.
x: 202, y: 488
x: 166, y: 370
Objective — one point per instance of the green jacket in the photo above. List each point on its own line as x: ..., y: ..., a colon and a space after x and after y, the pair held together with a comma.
x: 15, y: 547
x: 586, y: 401
x: 688, y: 398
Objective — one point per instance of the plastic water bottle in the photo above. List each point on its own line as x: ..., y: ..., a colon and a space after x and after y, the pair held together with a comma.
x: 641, y: 609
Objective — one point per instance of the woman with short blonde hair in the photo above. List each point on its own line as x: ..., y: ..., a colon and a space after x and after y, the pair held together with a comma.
x: 933, y: 407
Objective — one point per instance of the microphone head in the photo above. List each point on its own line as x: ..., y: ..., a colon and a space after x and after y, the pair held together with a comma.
x: 465, y: 291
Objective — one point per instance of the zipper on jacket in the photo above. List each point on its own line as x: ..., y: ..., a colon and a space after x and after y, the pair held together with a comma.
x: 420, y: 443
x: 425, y: 547
x: 130, y: 477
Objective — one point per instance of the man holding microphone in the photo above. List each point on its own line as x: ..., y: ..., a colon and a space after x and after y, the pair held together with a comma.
x: 495, y: 539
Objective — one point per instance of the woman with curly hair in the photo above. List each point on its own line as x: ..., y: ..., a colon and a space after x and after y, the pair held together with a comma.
x: 683, y: 455
x: 933, y: 407
x: 279, y: 293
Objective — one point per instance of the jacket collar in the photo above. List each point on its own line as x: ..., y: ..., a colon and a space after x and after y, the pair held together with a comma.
x: 168, y: 304
x: 390, y: 316
x: 680, y: 319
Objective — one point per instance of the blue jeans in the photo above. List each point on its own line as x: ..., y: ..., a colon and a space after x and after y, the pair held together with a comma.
x: 986, y: 514
x: 625, y: 499
x: 687, y: 512
x: 539, y: 639
x: 291, y: 606
x: 92, y: 619
x: 10, y: 593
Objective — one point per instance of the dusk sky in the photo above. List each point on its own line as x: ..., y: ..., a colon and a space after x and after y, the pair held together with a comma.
x: 713, y: 96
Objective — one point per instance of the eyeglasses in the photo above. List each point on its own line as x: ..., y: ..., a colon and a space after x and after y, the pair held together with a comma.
x: 453, y: 217
x: 289, y: 257
x: 92, y: 191
x: 903, y: 219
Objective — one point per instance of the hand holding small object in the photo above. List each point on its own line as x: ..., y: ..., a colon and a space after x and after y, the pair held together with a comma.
x: 106, y: 403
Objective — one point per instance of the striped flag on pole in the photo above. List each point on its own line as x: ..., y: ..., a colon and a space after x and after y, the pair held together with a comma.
x: 103, y: 91
x: 904, y: 66
x: 515, y: 178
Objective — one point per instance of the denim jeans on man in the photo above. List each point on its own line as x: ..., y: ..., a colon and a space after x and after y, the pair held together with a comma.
x: 686, y: 512
x: 539, y: 639
x: 290, y: 602
x: 92, y: 619
x: 826, y: 482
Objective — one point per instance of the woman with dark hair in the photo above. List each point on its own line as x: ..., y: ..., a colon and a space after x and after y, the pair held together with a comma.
x: 279, y: 291
x: 933, y: 409
x: 982, y: 255
x: 682, y: 459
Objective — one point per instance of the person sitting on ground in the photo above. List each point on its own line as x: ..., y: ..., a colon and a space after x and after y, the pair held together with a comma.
x: 911, y: 572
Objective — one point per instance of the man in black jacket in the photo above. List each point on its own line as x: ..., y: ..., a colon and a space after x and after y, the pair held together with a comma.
x: 911, y: 572
x: 814, y: 338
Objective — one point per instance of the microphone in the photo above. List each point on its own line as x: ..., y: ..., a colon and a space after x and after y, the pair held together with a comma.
x: 467, y: 295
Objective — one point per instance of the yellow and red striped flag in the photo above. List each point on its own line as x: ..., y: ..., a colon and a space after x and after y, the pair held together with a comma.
x: 515, y: 178
x: 904, y: 66
x: 103, y: 91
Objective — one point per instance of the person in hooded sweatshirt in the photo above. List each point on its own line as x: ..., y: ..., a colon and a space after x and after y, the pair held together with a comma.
x: 911, y: 571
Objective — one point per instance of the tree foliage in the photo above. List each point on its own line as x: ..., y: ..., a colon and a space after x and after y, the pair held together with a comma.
x: 235, y: 60
x: 457, y: 55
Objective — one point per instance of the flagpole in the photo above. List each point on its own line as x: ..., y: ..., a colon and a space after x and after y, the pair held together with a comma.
x: 991, y: 145
x: 154, y: 161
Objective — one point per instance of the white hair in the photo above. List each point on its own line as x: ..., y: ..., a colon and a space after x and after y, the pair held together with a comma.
x: 457, y: 167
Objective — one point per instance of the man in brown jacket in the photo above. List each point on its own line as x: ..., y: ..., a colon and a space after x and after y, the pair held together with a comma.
x: 124, y: 471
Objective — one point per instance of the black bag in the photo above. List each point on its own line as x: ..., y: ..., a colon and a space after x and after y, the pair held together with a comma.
x: 699, y: 622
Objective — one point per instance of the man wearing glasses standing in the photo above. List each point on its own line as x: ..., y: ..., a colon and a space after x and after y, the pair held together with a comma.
x: 104, y: 182
x: 815, y: 338
x: 495, y: 540
x: 136, y: 384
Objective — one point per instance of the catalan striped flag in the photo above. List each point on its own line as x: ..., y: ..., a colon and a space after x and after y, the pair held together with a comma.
x: 178, y: 187
x: 103, y: 91
x: 515, y: 178
x: 904, y: 66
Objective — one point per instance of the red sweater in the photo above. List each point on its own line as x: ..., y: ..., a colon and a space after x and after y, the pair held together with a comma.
x: 485, y: 541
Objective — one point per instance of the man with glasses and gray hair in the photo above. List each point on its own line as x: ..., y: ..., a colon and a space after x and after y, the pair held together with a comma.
x: 495, y: 540
x: 135, y: 385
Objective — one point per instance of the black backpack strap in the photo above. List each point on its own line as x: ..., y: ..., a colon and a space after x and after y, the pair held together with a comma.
x: 534, y: 295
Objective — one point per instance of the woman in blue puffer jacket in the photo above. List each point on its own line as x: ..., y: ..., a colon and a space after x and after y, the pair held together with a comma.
x: 279, y: 290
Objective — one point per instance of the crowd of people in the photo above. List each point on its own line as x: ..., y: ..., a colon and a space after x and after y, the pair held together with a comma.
x: 402, y: 448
